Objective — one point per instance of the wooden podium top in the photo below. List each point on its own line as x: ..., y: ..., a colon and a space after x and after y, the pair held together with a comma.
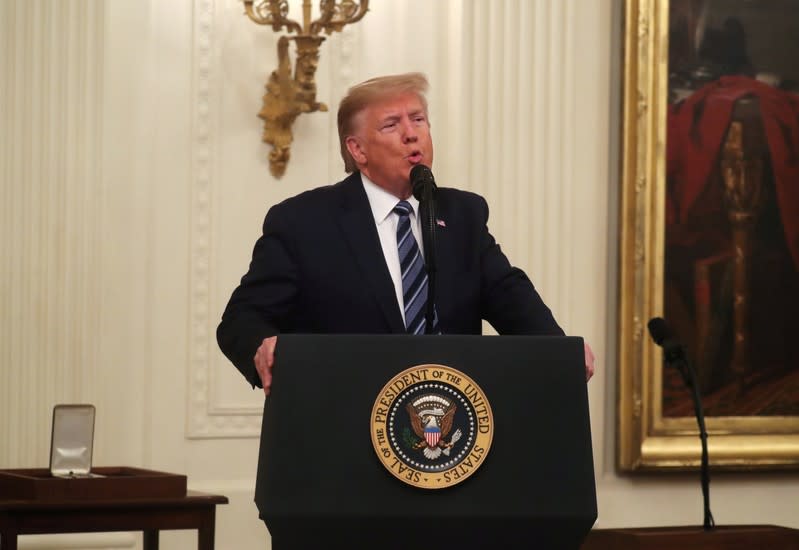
x: 733, y: 537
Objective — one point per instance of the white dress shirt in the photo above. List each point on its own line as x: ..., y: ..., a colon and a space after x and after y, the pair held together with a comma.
x: 382, y: 203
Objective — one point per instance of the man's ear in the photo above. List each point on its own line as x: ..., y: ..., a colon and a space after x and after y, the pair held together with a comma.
x: 354, y: 147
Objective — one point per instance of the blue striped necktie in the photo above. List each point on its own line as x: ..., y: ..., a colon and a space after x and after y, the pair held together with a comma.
x: 414, y: 275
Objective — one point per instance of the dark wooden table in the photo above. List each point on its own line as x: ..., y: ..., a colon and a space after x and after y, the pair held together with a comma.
x: 725, y: 537
x: 149, y: 515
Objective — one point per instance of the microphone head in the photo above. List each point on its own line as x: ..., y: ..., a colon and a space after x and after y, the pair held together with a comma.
x: 421, y: 177
x: 673, y: 352
x: 659, y: 330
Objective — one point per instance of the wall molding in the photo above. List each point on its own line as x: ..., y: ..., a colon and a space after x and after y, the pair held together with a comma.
x: 205, y: 417
x: 209, y: 415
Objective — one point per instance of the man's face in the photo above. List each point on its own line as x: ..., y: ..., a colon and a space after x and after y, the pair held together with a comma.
x: 391, y: 137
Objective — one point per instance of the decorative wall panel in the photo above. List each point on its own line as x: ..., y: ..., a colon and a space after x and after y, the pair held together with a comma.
x: 502, y: 105
x: 51, y: 60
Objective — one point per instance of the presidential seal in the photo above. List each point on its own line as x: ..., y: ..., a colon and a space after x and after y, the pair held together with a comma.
x: 432, y: 426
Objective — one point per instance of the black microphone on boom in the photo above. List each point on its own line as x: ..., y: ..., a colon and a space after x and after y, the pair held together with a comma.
x: 422, y: 182
x: 674, y: 356
x: 673, y: 351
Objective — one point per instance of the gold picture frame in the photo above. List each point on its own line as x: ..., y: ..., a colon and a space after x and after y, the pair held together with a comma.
x: 648, y: 440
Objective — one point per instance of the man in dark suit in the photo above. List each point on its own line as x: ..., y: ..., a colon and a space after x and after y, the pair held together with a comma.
x: 346, y: 258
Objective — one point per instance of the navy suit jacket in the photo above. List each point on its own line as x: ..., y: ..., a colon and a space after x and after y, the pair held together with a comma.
x: 319, y: 268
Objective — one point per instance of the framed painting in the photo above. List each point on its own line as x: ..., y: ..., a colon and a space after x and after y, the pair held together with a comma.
x: 709, y: 232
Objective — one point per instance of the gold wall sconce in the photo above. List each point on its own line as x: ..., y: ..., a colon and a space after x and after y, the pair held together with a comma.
x: 288, y: 96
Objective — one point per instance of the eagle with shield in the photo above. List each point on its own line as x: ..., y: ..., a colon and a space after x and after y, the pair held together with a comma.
x: 431, y: 418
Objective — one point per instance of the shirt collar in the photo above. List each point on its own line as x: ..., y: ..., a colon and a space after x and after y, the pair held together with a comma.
x: 382, y: 202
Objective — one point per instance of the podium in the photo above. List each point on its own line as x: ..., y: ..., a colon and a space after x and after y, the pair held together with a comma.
x: 321, y: 482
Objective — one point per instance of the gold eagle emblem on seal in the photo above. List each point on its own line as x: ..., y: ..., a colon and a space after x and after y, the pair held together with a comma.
x: 432, y: 426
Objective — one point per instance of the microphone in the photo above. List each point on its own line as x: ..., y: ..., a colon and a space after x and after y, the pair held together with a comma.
x: 674, y: 355
x: 673, y: 351
x: 422, y: 182
x: 659, y: 330
x: 423, y: 186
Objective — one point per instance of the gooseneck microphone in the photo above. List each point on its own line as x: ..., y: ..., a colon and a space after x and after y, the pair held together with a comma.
x: 424, y: 189
x: 674, y: 356
x: 422, y: 180
x: 673, y: 352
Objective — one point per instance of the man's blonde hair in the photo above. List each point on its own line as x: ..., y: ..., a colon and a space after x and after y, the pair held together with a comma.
x: 360, y: 96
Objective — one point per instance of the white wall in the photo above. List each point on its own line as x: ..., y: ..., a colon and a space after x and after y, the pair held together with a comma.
x: 134, y: 184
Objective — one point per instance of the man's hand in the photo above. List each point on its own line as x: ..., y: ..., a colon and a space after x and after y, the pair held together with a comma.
x: 264, y: 360
x: 589, y: 361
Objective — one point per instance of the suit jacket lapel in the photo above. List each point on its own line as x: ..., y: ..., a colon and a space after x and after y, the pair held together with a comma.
x: 358, y: 226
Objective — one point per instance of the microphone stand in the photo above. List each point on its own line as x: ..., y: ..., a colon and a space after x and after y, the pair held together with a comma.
x: 427, y: 209
x: 677, y: 357
x: 705, y: 468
